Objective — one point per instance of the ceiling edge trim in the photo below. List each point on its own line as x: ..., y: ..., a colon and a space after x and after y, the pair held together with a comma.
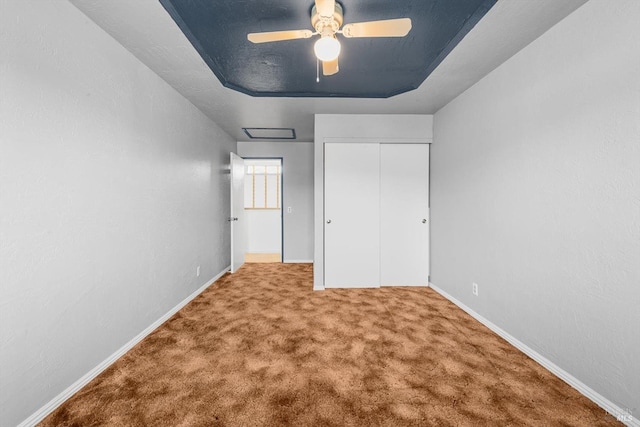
x: 480, y: 12
x: 182, y: 26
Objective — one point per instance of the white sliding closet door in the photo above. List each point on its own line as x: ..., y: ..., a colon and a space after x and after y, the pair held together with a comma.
x: 404, y: 214
x: 351, y: 215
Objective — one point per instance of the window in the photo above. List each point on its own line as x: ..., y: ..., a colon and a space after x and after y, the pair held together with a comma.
x: 262, y: 186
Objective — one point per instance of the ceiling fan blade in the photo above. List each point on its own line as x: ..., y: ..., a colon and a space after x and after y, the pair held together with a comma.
x: 276, y: 36
x: 330, y: 68
x: 387, y: 28
x: 325, y: 7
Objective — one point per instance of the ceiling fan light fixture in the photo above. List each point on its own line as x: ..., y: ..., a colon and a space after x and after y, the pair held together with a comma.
x: 327, y: 48
x: 326, y: 20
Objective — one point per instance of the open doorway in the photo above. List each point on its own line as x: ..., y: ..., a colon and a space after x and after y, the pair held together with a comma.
x: 263, y: 209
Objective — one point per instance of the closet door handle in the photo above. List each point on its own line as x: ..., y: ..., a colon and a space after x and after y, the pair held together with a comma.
x: 424, y: 221
x: 328, y: 221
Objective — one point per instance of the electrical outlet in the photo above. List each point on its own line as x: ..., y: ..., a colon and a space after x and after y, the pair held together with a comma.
x: 198, y: 271
x: 475, y: 289
x: 289, y: 209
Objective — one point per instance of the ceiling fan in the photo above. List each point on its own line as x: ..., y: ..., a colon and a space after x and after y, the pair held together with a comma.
x: 326, y: 19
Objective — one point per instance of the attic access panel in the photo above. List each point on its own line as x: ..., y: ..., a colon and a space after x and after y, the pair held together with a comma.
x: 369, y: 67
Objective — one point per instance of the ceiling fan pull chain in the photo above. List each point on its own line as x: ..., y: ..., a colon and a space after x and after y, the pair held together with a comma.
x: 317, y: 70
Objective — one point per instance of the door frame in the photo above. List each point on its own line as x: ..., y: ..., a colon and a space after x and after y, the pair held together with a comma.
x: 281, y: 198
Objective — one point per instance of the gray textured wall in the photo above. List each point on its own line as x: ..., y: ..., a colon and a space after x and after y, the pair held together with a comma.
x: 536, y: 197
x: 113, y: 189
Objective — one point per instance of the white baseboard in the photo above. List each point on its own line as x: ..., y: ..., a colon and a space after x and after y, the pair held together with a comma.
x: 611, y: 408
x: 41, y: 413
x: 320, y: 288
x: 297, y: 261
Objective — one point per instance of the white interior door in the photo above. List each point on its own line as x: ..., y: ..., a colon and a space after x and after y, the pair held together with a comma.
x: 351, y: 218
x: 404, y: 214
x: 237, y: 219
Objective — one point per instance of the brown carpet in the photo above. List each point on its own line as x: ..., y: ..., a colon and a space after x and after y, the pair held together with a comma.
x: 260, y: 348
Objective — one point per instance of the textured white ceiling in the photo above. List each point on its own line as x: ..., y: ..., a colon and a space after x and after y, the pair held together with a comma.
x: 146, y: 30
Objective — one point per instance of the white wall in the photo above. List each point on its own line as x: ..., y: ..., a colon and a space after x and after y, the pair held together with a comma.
x: 113, y: 189
x: 264, y: 231
x: 535, y: 195
x: 375, y: 128
x: 297, y: 193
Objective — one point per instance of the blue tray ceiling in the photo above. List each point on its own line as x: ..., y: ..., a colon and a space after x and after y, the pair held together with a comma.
x: 369, y: 67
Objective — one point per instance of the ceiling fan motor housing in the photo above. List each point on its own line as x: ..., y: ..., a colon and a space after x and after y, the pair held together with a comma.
x: 327, y: 25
